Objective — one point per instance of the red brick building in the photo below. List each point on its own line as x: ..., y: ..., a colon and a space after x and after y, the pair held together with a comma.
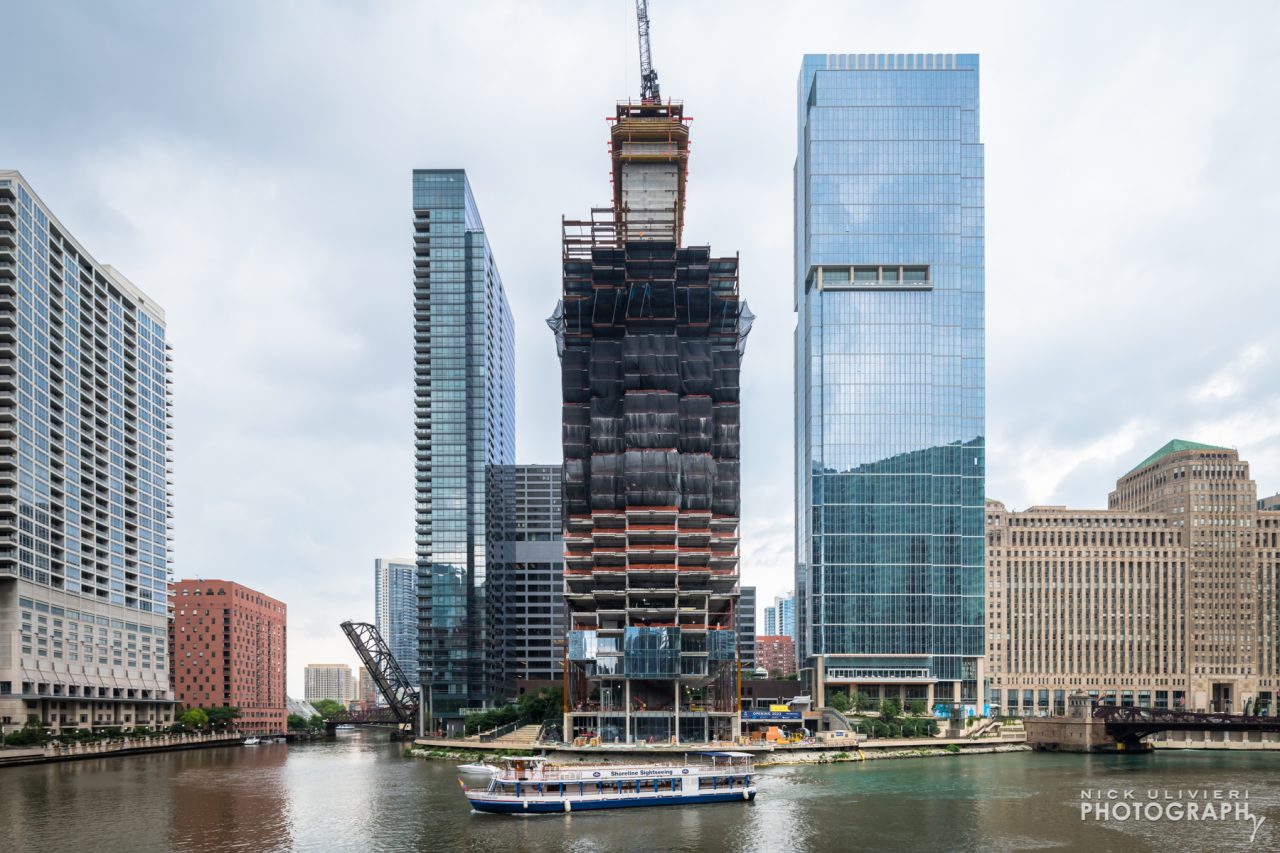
x: 777, y: 654
x: 228, y: 649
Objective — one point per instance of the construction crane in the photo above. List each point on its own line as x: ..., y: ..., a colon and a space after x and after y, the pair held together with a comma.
x: 648, y: 77
x: 386, y: 673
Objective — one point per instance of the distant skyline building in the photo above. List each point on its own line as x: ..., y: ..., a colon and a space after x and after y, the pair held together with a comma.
x: 395, y: 595
x: 464, y: 356
x: 746, y: 622
x: 230, y: 650
x: 889, y: 376
x: 328, y: 681
x: 781, y: 617
x: 1165, y: 599
x: 527, y: 605
x: 85, y: 497
x: 650, y: 334
x: 366, y: 690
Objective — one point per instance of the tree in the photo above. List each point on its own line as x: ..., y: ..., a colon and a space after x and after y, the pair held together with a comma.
x: 195, y: 719
x: 222, y: 718
x: 890, y: 710
x: 917, y: 707
x: 840, y: 701
x: 862, y: 701
x: 31, y: 734
x: 328, y: 708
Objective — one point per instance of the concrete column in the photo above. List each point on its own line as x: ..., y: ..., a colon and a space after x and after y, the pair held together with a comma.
x: 626, y: 706
x: 928, y: 696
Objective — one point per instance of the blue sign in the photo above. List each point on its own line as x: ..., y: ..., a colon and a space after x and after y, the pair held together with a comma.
x: 772, y: 715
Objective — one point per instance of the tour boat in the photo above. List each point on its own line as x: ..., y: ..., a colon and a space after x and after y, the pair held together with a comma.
x: 252, y: 741
x: 533, y: 785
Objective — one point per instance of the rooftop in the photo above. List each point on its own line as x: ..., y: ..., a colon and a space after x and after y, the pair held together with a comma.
x: 1175, y: 446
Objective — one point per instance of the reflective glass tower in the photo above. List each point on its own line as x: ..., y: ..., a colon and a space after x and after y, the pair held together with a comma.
x: 889, y: 376
x: 464, y: 342
x: 395, y: 595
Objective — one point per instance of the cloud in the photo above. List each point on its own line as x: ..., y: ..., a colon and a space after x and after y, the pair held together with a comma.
x: 248, y: 165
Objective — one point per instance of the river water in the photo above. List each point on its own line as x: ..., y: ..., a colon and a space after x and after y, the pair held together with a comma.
x: 358, y: 793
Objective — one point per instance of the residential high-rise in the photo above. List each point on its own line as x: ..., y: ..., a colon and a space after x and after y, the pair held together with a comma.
x: 464, y: 342
x: 229, y: 650
x: 889, y: 376
x: 366, y: 690
x: 776, y: 654
x: 770, y: 621
x: 784, y: 615
x: 395, y: 595
x: 331, y: 681
x: 1166, y: 599
x: 526, y: 575
x: 746, y: 625
x: 650, y: 334
x: 84, y: 491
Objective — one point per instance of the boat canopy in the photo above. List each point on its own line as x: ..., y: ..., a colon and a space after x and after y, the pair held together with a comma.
x: 727, y: 754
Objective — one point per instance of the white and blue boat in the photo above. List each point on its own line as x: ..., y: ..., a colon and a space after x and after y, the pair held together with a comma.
x: 534, y: 785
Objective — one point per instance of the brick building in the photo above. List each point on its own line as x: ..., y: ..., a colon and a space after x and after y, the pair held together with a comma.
x: 776, y: 653
x: 229, y: 650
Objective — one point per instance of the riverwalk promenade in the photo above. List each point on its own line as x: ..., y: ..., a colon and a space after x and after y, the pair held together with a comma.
x: 11, y: 756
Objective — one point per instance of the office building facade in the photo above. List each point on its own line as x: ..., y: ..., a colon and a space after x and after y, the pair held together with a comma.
x: 526, y: 576
x: 746, y: 625
x: 890, y: 377
x: 230, y: 650
x: 84, y: 491
x: 1166, y: 599
x: 331, y: 681
x: 464, y: 356
x: 395, y: 595
x: 650, y: 334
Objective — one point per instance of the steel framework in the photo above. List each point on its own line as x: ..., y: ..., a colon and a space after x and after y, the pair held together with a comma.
x: 1143, y: 721
x: 403, y: 700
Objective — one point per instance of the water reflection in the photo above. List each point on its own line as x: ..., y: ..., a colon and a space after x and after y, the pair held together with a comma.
x: 359, y: 794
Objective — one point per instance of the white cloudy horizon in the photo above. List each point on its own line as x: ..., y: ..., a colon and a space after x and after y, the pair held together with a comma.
x: 248, y: 166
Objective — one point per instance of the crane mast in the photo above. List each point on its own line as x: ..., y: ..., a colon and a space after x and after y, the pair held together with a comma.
x: 648, y: 77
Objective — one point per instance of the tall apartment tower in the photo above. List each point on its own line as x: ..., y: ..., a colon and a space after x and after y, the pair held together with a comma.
x: 889, y: 376
x: 229, y: 650
x: 526, y: 576
x: 395, y: 595
x: 464, y: 357
x: 84, y: 488
x: 333, y: 681
x: 1207, y: 492
x: 650, y: 334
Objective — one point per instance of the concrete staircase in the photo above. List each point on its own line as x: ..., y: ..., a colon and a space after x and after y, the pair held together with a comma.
x: 525, y: 737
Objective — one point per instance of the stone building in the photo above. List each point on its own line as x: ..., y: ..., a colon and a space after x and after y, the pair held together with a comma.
x: 1165, y: 599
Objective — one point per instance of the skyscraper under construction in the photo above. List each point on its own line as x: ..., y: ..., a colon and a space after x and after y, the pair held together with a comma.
x: 650, y: 334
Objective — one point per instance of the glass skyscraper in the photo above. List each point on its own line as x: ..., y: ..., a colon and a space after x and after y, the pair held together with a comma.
x: 84, y: 485
x: 890, y: 376
x: 395, y: 595
x: 464, y: 356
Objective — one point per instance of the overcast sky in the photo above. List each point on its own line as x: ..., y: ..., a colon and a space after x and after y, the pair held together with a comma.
x: 248, y: 166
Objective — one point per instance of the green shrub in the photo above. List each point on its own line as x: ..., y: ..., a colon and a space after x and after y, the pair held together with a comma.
x: 951, y: 747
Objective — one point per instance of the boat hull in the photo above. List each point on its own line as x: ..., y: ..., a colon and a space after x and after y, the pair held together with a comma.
x: 569, y: 804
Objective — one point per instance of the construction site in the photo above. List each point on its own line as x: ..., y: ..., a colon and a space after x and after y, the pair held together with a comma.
x: 650, y: 334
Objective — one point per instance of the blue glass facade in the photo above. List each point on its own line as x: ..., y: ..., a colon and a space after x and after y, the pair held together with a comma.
x: 464, y: 345
x: 890, y: 374
x: 395, y: 594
